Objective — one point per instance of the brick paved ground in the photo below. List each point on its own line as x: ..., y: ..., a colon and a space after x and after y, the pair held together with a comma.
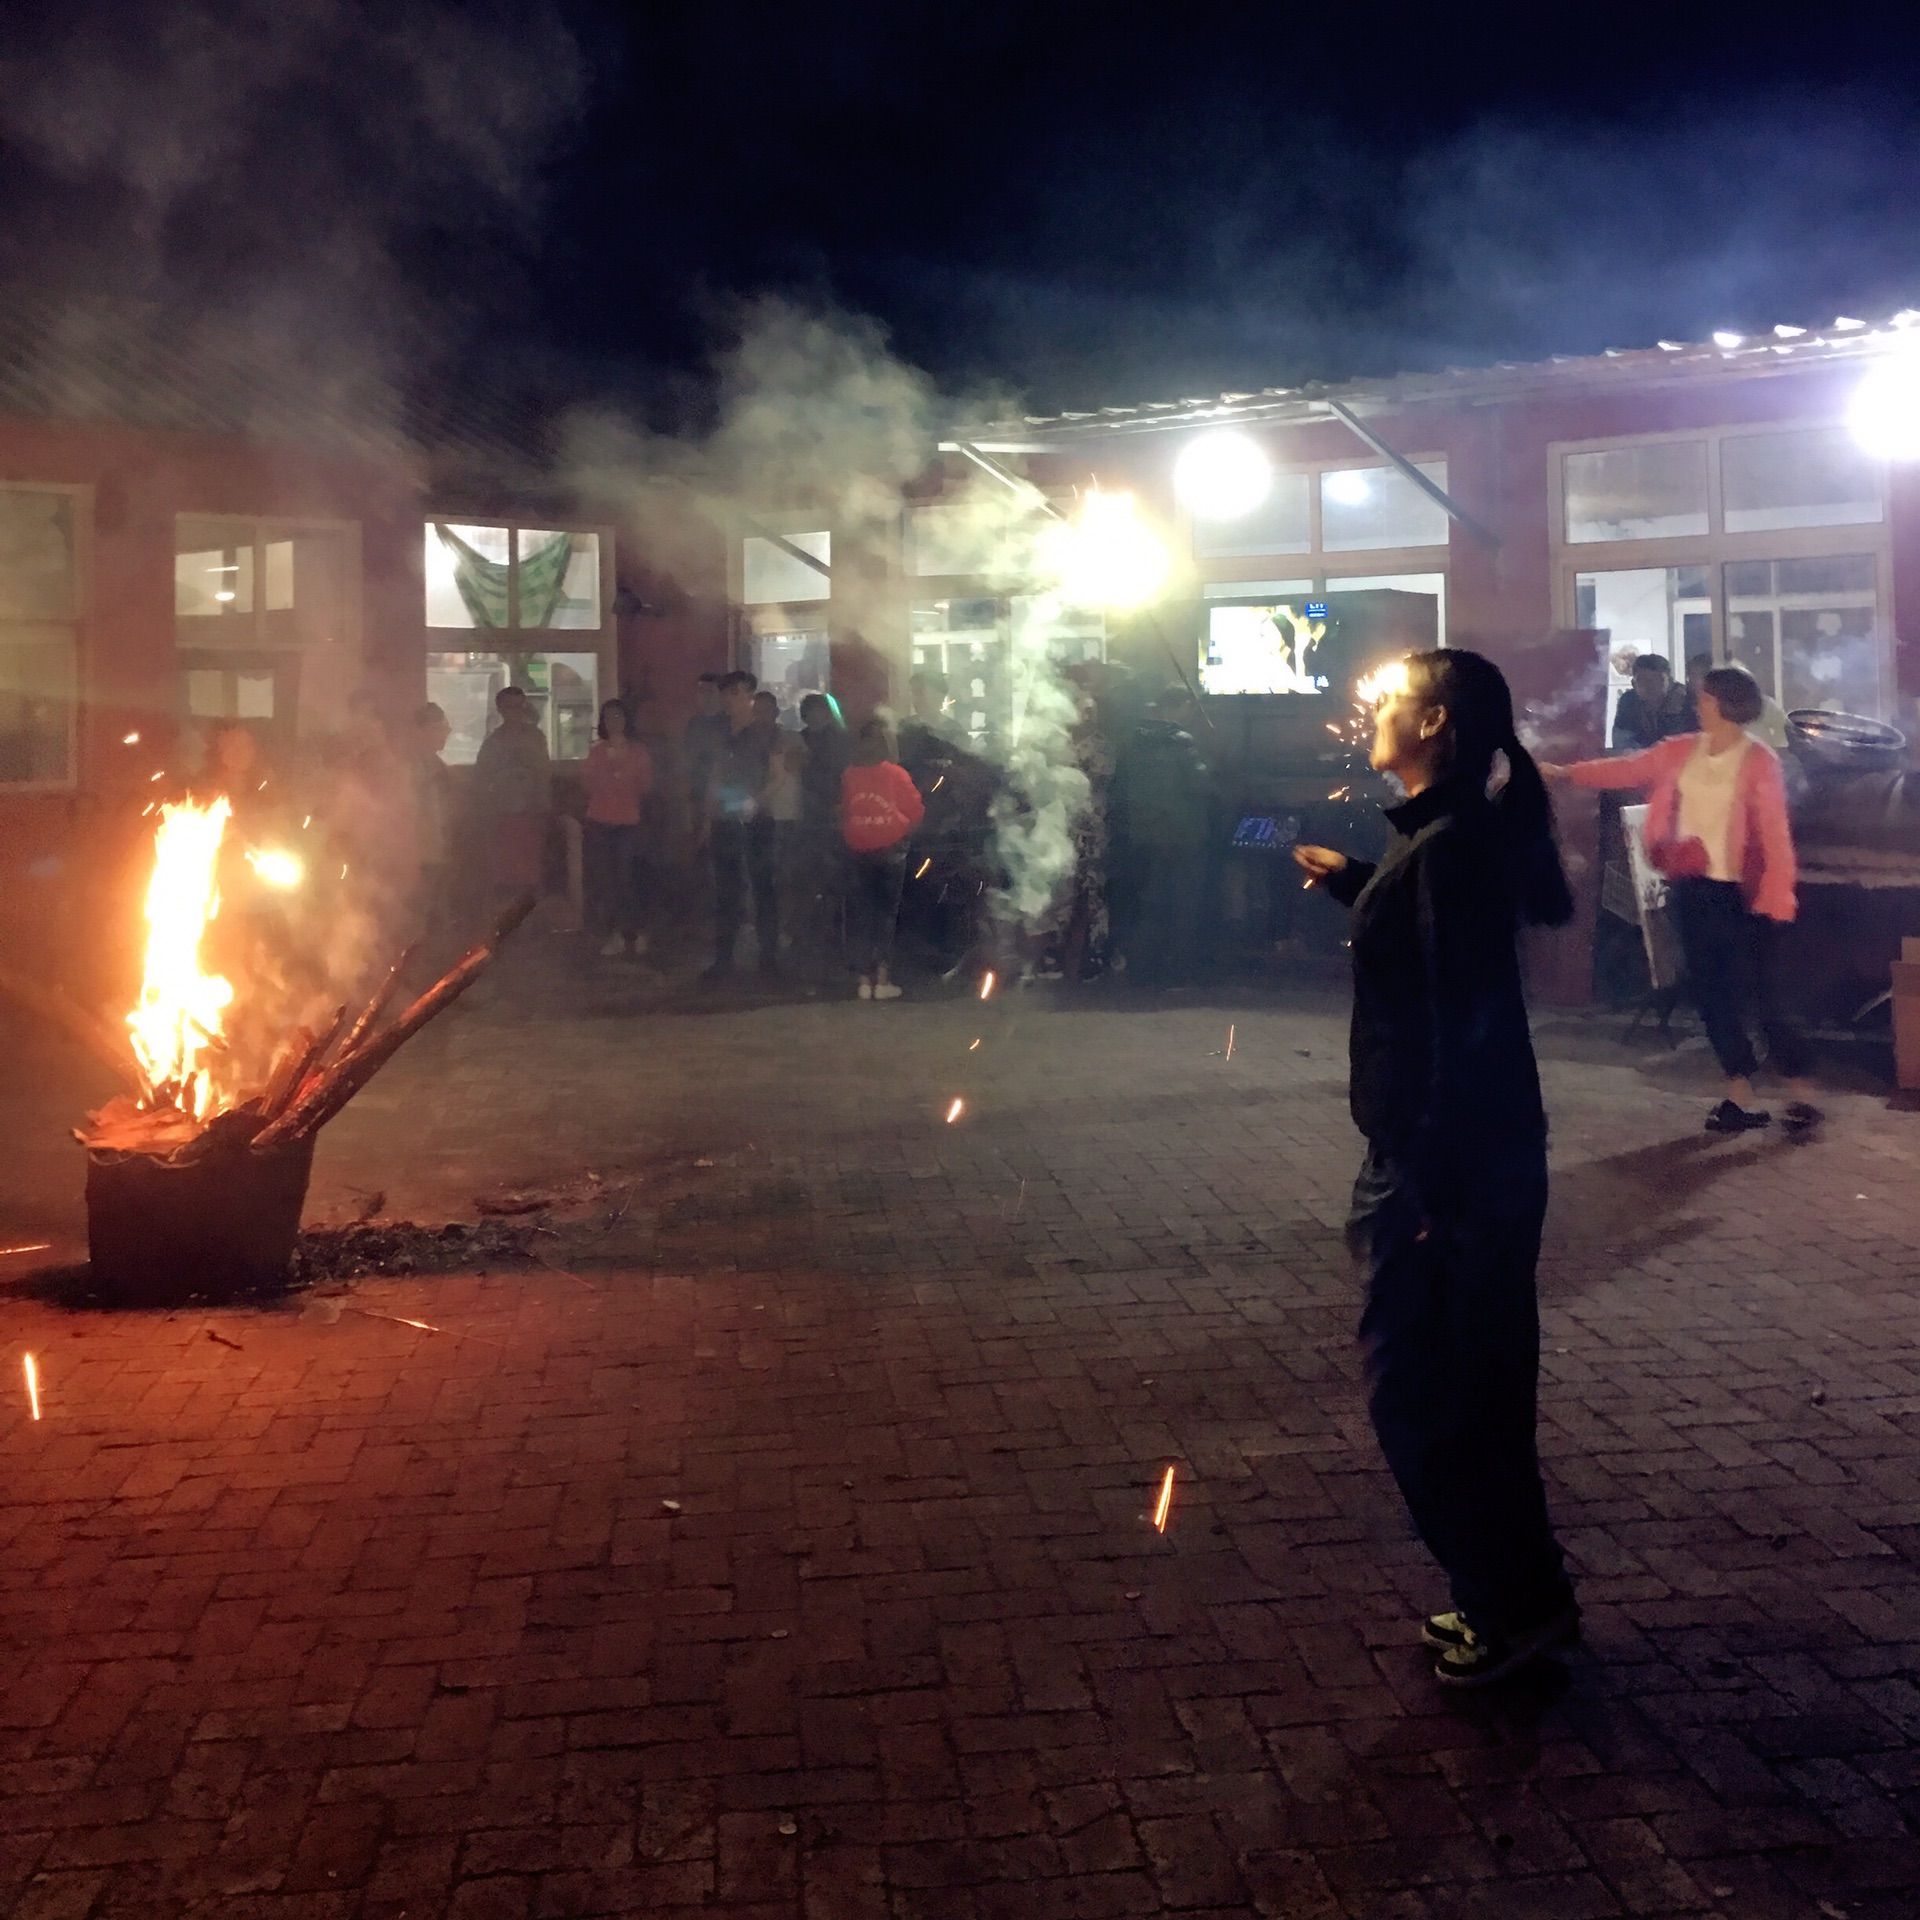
x: 777, y: 1546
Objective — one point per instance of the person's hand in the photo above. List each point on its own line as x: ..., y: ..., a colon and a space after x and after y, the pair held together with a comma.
x: 1319, y: 863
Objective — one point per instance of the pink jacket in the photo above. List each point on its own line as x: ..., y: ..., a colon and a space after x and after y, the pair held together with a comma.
x: 1762, y: 841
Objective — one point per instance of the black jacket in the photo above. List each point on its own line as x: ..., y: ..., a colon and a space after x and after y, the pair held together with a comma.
x: 1444, y: 1078
x: 1161, y: 794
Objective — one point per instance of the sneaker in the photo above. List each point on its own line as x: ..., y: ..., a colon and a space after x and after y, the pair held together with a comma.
x: 1442, y: 1631
x: 865, y: 988
x: 885, y: 990
x: 1481, y: 1661
x: 1800, y: 1118
x: 612, y: 947
x: 1728, y: 1118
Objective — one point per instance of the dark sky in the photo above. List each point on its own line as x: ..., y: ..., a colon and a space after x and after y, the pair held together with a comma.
x: 1080, y: 204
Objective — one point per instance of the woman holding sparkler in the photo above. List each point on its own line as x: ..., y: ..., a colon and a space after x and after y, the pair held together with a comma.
x: 1448, y: 1208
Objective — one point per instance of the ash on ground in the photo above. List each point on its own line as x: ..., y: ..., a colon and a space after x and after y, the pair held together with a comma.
x: 406, y: 1246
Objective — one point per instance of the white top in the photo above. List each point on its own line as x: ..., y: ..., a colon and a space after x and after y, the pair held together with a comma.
x: 1708, y: 784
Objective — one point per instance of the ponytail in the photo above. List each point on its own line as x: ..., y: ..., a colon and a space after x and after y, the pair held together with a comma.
x: 1479, y: 709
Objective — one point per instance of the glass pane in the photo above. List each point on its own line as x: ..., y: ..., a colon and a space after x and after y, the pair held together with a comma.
x: 1812, y: 477
x: 559, y: 579
x: 1809, y: 631
x: 212, y: 569
x: 466, y: 575
x: 37, y: 707
x: 770, y: 576
x: 1278, y: 525
x: 790, y: 662
x: 1637, y: 493
x: 36, y: 555
x: 1363, y: 507
x: 965, y: 642
x: 277, y: 565
x: 564, y: 689
x: 1638, y: 610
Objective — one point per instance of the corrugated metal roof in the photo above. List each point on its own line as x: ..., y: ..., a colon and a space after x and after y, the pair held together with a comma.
x: 1779, y: 349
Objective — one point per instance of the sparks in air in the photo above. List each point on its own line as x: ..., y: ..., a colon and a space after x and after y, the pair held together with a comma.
x: 955, y: 1111
x: 986, y: 984
x: 1164, y: 1505
x: 920, y: 872
x: 973, y: 1045
x: 1381, y: 684
x: 130, y: 740
x: 33, y: 1382
x: 1229, y: 1042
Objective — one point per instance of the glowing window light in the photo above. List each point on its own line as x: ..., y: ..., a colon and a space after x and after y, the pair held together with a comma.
x: 1349, y: 487
x: 1222, y: 475
x: 1884, y: 414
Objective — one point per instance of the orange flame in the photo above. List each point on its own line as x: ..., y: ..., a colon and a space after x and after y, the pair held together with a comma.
x: 1381, y: 684
x: 33, y: 1382
x: 178, y: 1018
x: 1165, y: 1505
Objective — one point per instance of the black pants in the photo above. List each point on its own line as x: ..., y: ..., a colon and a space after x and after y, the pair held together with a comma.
x: 1451, y: 1334
x: 875, y: 908
x: 743, y: 858
x: 610, y: 856
x: 816, y: 897
x: 1733, y: 965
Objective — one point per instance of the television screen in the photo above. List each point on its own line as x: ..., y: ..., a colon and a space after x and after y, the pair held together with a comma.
x: 1266, y: 648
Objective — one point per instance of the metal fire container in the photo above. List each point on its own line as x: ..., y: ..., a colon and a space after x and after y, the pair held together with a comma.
x: 213, y: 1227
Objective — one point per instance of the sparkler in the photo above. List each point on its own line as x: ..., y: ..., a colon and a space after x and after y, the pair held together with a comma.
x: 956, y: 1110
x: 276, y: 867
x: 33, y: 1382
x: 1165, y: 1504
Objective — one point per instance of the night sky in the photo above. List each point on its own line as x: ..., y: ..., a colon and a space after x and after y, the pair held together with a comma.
x: 1076, y: 204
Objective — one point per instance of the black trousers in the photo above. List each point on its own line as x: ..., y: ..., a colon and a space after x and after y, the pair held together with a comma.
x: 610, y: 858
x: 743, y: 854
x: 1733, y: 965
x: 1164, y: 933
x: 875, y: 908
x: 816, y: 897
x: 1451, y: 1335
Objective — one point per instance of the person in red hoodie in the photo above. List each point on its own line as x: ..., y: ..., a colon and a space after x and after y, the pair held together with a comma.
x: 879, y: 807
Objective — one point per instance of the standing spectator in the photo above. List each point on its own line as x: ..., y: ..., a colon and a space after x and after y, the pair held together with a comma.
x: 1449, y: 1205
x: 879, y: 807
x: 820, y: 850
x: 1771, y: 727
x: 740, y: 833
x: 1652, y: 709
x: 432, y: 812
x: 513, y: 794
x: 619, y: 776
x: 1162, y: 815
x: 1717, y: 828
x: 699, y: 743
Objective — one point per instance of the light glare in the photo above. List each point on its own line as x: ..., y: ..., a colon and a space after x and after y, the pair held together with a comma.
x: 1106, y: 555
x: 1222, y: 476
x: 1885, y: 411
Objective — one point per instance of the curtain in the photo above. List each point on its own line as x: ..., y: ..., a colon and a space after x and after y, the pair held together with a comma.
x: 482, y: 583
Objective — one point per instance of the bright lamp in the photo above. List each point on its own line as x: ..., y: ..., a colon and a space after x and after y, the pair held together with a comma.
x: 1885, y: 411
x: 1222, y: 476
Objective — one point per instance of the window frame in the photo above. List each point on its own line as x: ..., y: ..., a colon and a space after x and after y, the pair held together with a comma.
x: 1716, y: 549
x: 78, y: 622
x: 513, y: 637
x: 265, y: 527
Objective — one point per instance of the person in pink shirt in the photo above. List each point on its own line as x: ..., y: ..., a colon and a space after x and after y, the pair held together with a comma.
x: 619, y: 776
x: 879, y: 807
x: 1717, y: 828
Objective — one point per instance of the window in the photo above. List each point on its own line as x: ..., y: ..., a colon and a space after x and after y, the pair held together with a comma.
x: 771, y: 576
x: 1282, y: 523
x: 564, y: 689
x: 1363, y: 508
x: 1773, y: 554
x: 1810, y: 477
x: 512, y: 579
x: 1663, y: 610
x: 790, y: 658
x: 1652, y: 491
x: 969, y: 641
x: 39, y: 645
x: 1808, y: 630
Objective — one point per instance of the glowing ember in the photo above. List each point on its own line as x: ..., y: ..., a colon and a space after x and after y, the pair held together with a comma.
x: 973, y: 1045
x: 1381, y: 684
x: 33, y: 1383
x: 178, y: 1020
x: 986, y: 983
x: 955, y: 1111
x: 1165, y: 1504
x: 276, y: 867
x: 919, y: 872
x: 28, y: 1246
x: 130, y: 740
x: 1229, y: 1042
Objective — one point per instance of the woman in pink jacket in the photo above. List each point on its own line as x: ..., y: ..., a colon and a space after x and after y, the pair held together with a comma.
x: 1717, y: 828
